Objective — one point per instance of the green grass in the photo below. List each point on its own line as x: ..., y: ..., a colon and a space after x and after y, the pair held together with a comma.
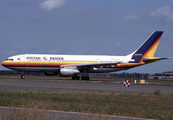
x: 155, y: 106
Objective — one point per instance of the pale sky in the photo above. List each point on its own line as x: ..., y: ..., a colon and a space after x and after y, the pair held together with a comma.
x: 86, y: 27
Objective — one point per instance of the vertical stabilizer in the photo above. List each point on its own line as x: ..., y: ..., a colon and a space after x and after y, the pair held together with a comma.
x: 148, y: 48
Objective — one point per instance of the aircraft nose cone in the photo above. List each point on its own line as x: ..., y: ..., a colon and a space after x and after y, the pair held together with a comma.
x: 3, y: 63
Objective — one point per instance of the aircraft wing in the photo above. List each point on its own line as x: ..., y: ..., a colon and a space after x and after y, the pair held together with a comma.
x: 146, y: 60
x: 92, y: 65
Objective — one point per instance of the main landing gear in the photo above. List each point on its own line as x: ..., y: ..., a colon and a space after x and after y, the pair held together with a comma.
x: 85, y: 75
x: 75, y: 77
x: 22, y: 75
x: 78, y: 78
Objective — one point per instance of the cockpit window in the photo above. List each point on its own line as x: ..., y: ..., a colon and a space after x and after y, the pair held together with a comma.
x: 9, y: 59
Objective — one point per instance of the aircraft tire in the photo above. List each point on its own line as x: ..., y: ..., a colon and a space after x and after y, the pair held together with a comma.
x: 82, y: 78
x: 22, y: 77
x: 73, y: 77
x: 77, y: 78
x: 87, y: 78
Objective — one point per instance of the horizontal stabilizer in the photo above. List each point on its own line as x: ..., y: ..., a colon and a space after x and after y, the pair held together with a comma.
x: 147, y: 60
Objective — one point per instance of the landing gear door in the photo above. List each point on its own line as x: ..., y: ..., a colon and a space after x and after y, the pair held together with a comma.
x: 22, y: 60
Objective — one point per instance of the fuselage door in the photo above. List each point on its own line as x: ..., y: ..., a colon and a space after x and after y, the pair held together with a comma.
x: 98, y: 60
x: 125, y: 60
x: 22, y: 60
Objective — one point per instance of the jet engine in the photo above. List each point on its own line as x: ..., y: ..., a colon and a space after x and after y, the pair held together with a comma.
x: 68, y: 72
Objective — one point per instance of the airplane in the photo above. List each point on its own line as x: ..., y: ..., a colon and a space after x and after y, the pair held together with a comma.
x: 73, y: 65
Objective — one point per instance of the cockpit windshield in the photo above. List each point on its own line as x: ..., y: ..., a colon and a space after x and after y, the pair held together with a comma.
x: 9, y: 59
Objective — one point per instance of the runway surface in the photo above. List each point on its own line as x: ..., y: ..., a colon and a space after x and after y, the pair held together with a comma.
x: 26, y: 84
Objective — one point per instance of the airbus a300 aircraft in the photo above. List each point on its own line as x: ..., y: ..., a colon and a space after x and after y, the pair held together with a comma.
x: 72, y: 65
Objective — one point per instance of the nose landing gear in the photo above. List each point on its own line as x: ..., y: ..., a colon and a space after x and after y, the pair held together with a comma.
x: 22, y: 75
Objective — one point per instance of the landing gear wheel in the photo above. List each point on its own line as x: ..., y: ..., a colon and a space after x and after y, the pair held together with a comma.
x: 87, y: 78
x: 75, y: 78
x: 22, y: 77
x: 82, y: 78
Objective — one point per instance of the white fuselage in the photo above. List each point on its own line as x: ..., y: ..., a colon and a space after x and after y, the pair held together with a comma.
x: 45, y: 63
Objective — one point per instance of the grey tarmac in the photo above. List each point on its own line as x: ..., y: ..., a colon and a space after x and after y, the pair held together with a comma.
x: 91, y: 86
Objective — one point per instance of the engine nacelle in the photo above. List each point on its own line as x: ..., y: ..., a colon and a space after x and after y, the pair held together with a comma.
x: 68, y: 72
x: 50, y: 73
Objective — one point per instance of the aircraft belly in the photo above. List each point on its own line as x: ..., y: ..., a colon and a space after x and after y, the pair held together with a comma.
x: 35, y: 69
x: 104, y: 70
